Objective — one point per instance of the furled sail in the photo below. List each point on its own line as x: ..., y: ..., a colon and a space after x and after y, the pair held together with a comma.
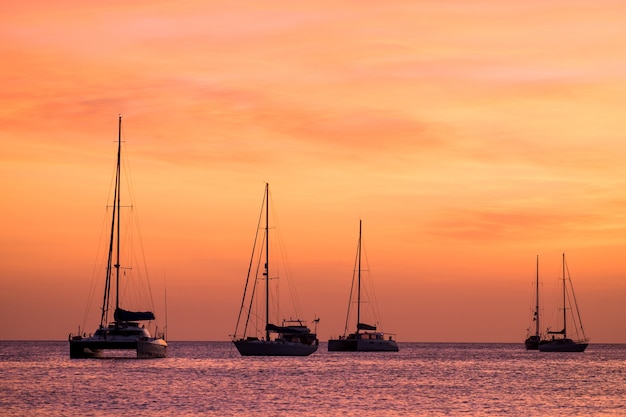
x: 287, y: 329
x: 125, y: 315
x: 363, y: 326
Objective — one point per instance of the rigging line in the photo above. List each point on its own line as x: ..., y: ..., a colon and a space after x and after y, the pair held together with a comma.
x: 139, y: 257
x: 352, y: 285
x: 95, y: 272
x: 267, y: 260
x: 165, y: 302
x: 285, y: 262
x: 576, y: 325
x: 575, y: 302
x: 245, y: 289
x: 118, y: 204
x: 134, y: 225
x: 532, y: 309
x: 535, y: 316
x: 99, y: 258
x: 252, y: 311
x: 141, y: 289
x: 553, y: 299
x: 107, y: 286
x: 143, y: 259
x: 370, y: 289
x: 286, y: 266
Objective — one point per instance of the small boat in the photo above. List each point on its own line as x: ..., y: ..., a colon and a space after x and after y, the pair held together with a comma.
x: 366, y: 338
x: 532, y: 341
x: 563, y: 343
x: 125, y: 331
x: 292, y: 337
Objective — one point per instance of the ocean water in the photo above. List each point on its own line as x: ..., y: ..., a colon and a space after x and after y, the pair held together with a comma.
x: 211, y: 379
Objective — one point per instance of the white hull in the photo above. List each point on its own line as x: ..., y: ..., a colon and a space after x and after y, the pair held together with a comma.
x: 95, y: 347
x: 377, y: 346
x: 273, y: 348
x: 116, y: 337
x: 151, y: 348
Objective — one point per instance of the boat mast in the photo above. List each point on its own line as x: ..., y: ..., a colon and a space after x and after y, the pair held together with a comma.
x: 267, y: 260
x: 358, y: 305
x: 564, y: 305
x: 107, y: 282
x: 118, y: 192
x: 537, y: 301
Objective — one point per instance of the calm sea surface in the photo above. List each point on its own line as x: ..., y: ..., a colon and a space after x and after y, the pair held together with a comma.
x: 211, y: 379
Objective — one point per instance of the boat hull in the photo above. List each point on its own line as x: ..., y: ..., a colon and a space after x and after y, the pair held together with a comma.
x: 82, y: 350
x: 562, y: 345
x: 342, y: 345
x: 377, y: 346
x: 92, y: 348
x: 362, y: 345
x: 273, y: 348
x: 532, y: 343
x: 151, y: 348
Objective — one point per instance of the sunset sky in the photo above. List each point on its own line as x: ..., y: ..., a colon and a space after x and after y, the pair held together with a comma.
x: 469, y: 136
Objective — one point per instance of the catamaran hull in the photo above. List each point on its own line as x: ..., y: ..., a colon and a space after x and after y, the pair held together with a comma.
x: 86, y: 349
x: 347, y: 345
x: 90, y: 349
x: 273, y: 348
x: 151, y: 348
x: 377, y: 346
x: 561, y: 345
x: 342, y: 345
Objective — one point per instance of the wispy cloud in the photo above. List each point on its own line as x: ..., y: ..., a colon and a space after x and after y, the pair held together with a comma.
x: 474, y: 124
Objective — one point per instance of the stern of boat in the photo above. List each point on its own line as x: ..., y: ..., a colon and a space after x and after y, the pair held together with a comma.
x: 151, y: 348
x: 80, y: 349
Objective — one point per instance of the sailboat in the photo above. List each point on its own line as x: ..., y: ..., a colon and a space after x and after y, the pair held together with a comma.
x: 565, y: 344
x: 532, y: 341
x: 366, y: 338
x: 292, y: 337
x: 125, y: 331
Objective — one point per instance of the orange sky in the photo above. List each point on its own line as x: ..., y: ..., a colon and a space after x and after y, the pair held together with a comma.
x: 469, y: 137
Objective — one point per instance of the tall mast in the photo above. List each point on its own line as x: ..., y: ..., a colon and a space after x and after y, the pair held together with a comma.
x: 267, y: 260
x: 537, y: 301
x: 564, y: 305
x: 358, y: 305
x: 107, y: 284
x: 117, y: 203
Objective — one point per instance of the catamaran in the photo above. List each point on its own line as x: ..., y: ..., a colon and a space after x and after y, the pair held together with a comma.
x: 366, y: 338
x: 125, y: 331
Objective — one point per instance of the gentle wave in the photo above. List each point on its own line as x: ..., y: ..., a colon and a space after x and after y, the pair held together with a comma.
x: 211, y: 379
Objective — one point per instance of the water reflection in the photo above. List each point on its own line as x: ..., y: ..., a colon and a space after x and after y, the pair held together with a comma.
x: 201, y: 378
